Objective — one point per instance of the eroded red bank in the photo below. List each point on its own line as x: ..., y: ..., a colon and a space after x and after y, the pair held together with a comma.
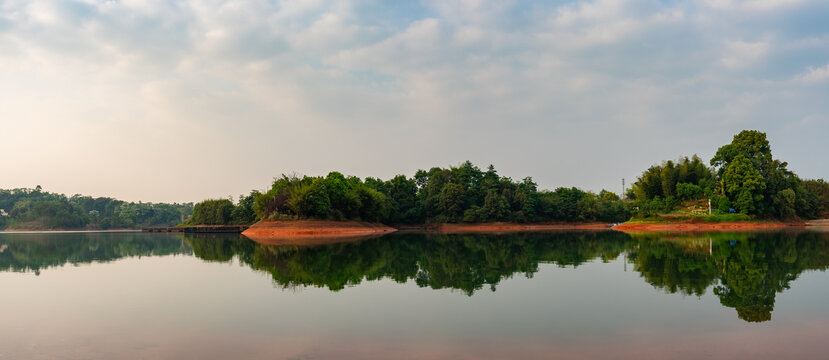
x: 307, y: 232
x: 723, y: 226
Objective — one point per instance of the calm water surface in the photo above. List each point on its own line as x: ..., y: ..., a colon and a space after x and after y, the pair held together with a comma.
x: 528, y: 296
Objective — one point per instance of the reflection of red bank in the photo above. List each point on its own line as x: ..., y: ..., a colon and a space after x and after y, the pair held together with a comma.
x: 313, y: 232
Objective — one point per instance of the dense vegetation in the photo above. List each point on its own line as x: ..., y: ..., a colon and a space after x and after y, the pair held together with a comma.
x: 457, y: 194
x: 38, y: 209
x: 743, y: 178
x: 223, y: 212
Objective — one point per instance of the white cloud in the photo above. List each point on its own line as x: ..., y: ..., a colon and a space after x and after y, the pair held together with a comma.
x: 313, y: 85
x: 815, y: 75
x: 742, y: 54
x: 763, y: 5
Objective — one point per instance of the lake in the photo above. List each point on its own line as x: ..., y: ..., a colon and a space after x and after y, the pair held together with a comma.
x: 567, y: 295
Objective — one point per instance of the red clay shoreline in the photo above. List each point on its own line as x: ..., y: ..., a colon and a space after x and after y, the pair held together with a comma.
x: 324, y: 231
x: 501, y: 227
x: 706, y: 227
x: 70, y: 230
x: 307, y: 231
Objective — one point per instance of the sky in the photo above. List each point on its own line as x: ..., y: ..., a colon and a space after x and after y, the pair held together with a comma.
x: 178, y: 101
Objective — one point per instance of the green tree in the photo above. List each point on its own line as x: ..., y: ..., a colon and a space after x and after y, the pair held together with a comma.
x: 744, y: 183
x: 210, y: 212
x: 452, y: 201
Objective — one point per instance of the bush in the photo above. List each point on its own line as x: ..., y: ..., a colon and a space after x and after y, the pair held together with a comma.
x: 687, y: 191
x: 212, y: 212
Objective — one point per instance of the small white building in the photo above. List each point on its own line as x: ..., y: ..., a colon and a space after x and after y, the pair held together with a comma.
x: 3, y: 212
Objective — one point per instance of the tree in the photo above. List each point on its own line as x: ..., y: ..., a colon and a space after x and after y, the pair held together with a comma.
x: 452, y: 201
x: 207, y: 212
x: 744, y: 183
x: 751, y: 144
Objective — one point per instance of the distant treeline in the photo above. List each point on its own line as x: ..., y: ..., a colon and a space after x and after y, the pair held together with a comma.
x: 458, y: 194
x: 38, y: 209
x: 743, y: 178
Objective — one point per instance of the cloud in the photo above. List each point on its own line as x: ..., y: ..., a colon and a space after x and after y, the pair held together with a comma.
x: 815, y: 75
x: 380, y: 88
x: 742, y: 54
x: 742, y: 5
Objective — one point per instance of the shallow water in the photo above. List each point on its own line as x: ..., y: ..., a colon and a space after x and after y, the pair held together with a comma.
x: 528, y: 296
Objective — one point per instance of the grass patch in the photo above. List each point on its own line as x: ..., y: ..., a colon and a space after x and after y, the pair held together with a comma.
x: 672, y: 219
x: 728, y: 218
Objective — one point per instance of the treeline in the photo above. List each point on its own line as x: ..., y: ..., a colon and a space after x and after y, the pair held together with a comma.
x: 38, y: 209
x: 458, y: 194
x: 743, y: 178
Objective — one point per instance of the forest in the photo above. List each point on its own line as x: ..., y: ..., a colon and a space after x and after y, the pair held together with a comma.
x: 440, y: 195
x: 35, y: 209
x: 743, y: 178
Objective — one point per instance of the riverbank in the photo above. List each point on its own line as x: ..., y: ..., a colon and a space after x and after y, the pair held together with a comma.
x: 200, y: 229
x: 705, y: 226
x: 307, y: 232
x: 501, y: 227
x: 66, y: 230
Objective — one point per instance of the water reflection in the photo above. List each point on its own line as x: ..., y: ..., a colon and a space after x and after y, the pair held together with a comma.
x: 464, y: 262
x: 33, y: 252
x: 744, y: 270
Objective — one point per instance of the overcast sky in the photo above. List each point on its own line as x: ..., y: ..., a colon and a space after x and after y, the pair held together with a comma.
x: 160, y: 100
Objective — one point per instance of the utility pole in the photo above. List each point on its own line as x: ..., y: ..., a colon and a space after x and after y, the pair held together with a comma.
x: 622, y: 195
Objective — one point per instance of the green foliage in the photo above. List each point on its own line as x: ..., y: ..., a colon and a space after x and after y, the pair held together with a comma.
x: 723, y: 205
x: 463, y: 193
x: 212, y: 212
x: 38, y: 209
x: 53, y: 214
x: 744, y: 182
x: 663, y: 180
x: 814, y: 199
x: 224, y: 212
x: 744, y: 173
x: 687, y: 191
x: 727, y: 217
x: 752, y: 145
x: 243, y: 212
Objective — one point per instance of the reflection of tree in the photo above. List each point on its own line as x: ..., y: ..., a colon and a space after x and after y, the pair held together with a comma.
x: 747, y: 270
x: 751, y: 268
x: 670, y: 267
x: 463, y: 262
x: 34, y: 252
